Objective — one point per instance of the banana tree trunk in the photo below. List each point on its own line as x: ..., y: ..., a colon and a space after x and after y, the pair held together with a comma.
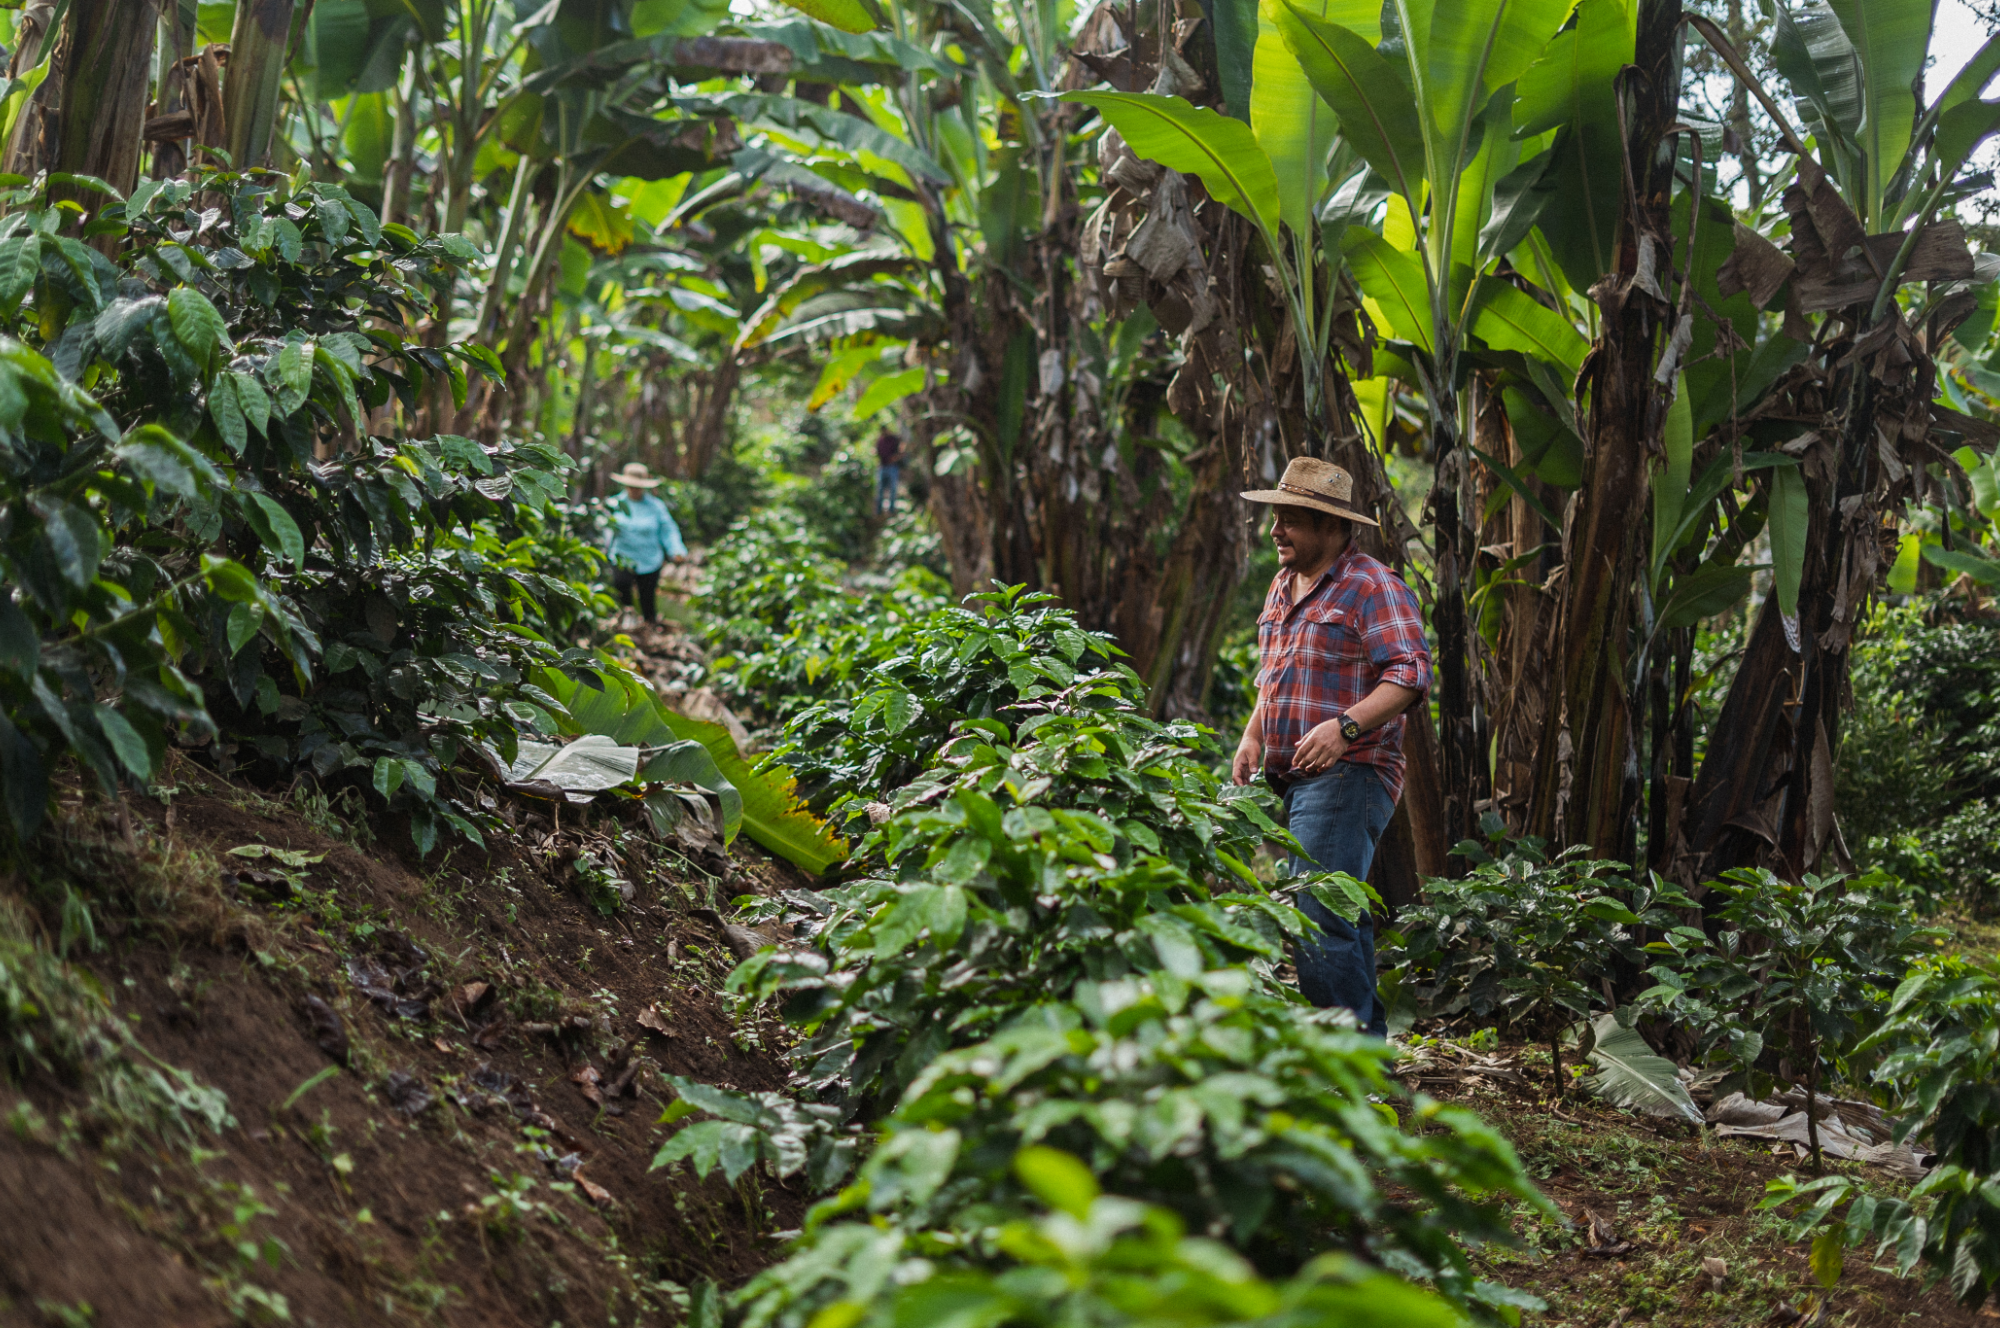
x: 32, y: 39
x: 1461, y: 751
x: 93, y: 123
x: 1587, y: 773
x: 402, y: 146
x: 257, y: 49
x: 1765, y: 793
x: 708, y: 430
x: 1514, y: 685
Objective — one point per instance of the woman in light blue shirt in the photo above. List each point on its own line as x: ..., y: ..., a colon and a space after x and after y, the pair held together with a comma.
x: 643, y: 537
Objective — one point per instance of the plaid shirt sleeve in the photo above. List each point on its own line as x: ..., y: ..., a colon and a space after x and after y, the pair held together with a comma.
x: 1265, y: 671
x: 1392, y: 632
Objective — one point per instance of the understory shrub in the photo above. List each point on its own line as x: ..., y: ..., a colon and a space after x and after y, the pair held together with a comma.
x: 1522, y: 941
x: 1087, y: 1257
x: 1818, y: 983
x: 1795, y: 979
x: 1939, y: 1050
x: 1918, y: 779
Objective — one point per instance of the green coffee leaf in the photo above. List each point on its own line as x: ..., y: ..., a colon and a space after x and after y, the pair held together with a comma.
x: 197, y: 324
x: 20, y: 264
x: 132, y: 751
x: 277, y: 527
x: 1057, y: 1179
x: 290, y: 375
x: 227, y: 412
x: 244, y: 619
x: 253, y: 400
x: 1829, y: 1254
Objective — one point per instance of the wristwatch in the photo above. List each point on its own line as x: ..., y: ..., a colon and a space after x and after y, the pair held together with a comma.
x: 1348, y: 728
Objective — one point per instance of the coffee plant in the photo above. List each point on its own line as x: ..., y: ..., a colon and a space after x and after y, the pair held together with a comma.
x: 1938, y: 1040
x: 1525, y: 942
x: 211, y: 544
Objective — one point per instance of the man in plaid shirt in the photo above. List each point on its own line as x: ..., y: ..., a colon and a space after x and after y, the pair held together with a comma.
x: 1341, y: 642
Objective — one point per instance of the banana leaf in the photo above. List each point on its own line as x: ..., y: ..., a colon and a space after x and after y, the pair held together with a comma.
x: 1631, y: 1074
x: 701, y: 753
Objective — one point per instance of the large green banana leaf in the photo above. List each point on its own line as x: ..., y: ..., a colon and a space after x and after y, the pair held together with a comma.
x: 762, y: 804
x: 847, y: 15
x: 1572, y: 88
x: 1507, y: 319
x: 1670, y: 482
x: 1788, y: 520
x: 1810, y: 47
x: 1892, y: 39
x: 1222, y: 153
x: 1395, y: 281
x: 1474, y: 48
x: 1960, y: 130
x: 1292, y: 125
x: 1368, y: 93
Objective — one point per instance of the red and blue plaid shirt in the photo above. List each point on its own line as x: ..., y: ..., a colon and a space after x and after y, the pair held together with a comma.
x: 1359, y: 626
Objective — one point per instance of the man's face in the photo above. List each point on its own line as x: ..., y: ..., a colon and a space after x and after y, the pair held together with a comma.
x: 1305, y: 538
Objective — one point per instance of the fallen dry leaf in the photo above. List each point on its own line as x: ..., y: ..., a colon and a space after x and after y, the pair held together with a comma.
x: 586, y: 1080
x: 597, y: 1193
x: 1603, y: 1236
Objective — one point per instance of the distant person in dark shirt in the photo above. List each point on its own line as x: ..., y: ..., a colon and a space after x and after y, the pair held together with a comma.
x: 888, y: 470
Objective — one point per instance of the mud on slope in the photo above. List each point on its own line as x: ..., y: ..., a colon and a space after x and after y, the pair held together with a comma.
x: 443, y: 1075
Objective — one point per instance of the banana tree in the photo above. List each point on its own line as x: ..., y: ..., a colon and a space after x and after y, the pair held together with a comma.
x: 1043, y: 469
x: 1862, y: 211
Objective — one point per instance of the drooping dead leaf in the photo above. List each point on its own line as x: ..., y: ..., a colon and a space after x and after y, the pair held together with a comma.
x: 1756, y: 266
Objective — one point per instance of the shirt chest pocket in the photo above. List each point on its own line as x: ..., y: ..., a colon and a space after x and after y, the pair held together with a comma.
x: 1328, y: 632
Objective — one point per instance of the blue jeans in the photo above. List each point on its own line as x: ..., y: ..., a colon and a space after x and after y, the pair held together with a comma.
x: 886, y: 480
x: 1338, y: 817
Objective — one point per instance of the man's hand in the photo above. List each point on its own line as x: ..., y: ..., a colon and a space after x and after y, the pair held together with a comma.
x: 1319, y: 749
x: 1249, y: 758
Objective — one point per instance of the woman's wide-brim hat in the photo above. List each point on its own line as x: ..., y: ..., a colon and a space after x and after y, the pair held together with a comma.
x: 1320, y: 485
x: 636, y: 476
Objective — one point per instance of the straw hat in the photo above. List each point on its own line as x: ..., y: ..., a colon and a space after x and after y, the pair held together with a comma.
x: 636, y: 476
x: 1320, y: 485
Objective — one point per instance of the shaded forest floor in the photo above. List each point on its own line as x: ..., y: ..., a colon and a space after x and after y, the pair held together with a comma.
x: 1673, y: 1196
